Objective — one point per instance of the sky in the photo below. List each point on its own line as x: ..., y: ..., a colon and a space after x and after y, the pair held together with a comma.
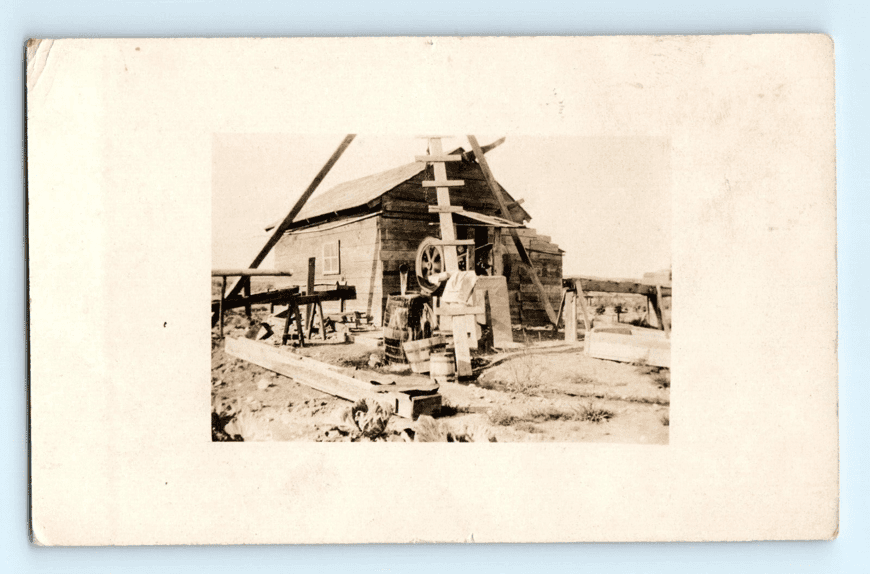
x: 606, y: 201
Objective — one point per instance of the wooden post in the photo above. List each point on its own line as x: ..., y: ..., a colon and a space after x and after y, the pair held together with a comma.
x: 309, y: 290
x: 247, y: 293
x: 460, y: 324
x: 661, y: 310
x: 585, y: 306
x: 652, y: 316
x: 221, y: 310
x: 287, y: 321
x: 448, y: 231
x: 570, y: 317
x: 322, y: 322
x: 497, y: 250
x: 298, y: 315
x: 524, y: 256
x: 288, y: 220
x: 561, y: 312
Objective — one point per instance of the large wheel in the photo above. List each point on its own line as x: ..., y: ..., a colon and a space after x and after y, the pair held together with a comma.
x: 430, y: 262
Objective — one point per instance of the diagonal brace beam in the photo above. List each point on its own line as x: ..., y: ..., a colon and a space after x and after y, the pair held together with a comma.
x: 285, y: 224
x: 524, y: 256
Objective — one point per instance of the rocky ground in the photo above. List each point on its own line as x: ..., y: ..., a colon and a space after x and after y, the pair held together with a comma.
x: 542, y: 392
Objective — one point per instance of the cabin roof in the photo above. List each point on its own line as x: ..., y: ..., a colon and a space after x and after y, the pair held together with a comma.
x: 358, y: 192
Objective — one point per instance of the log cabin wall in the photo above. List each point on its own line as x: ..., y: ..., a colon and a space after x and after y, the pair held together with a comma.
x: 525, y: 301
x: 358, y: 262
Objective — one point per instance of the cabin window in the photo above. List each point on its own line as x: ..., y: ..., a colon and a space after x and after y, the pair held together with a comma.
x: 331, y: 259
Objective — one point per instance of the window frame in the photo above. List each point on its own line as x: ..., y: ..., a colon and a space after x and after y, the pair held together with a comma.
x: 327, y: 259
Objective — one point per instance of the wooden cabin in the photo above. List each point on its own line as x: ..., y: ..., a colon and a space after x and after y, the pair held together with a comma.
x: 362, y: 231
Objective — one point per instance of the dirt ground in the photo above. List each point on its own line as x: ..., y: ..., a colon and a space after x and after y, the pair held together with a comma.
x: 545, y: 391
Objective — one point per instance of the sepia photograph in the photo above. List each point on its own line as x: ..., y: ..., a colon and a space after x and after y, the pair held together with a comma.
x: 605, y: 265
x: 518, y: 290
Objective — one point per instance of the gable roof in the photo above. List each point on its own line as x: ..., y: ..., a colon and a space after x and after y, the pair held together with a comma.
x: 358, y: 192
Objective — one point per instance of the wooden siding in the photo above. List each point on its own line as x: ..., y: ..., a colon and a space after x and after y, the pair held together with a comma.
x: 358, y: 245
x: 401, y: 233
x: 524, y: 297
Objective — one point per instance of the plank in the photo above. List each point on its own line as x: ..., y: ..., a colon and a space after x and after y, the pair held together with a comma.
x: 629, y: 348
x: 437, y: 158
x: 495, y: 290
x: 276, y: 296
x: 321, y: 377
x: 462, y: 346
x: 448, y: 231
x: 445, y: 209
x: 600, y: 285
x: 285, y: 363
x: 453, y: 311
x: 456, y: 242
x: 278, y: 232
x: 484, y: 166
x: 249, y: 273
x: 444, y: 182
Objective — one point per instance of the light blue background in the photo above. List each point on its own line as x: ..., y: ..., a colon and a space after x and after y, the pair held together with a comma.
x: 846, y: 22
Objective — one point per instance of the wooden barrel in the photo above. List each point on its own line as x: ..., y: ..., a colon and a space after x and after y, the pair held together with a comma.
x: 418, y: 352
x: 441, y: 366
x: 402, y: 318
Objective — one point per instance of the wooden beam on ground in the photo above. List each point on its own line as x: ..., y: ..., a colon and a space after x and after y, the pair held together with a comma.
x: 524, y: 256
x: 297, y: 207
x: 326, y: 379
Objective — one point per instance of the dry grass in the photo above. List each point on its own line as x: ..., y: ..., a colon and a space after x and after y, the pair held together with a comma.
x: 593, y: 414
x: 501, y: 417
x: 521, y: 375
x: 428, y: 429
x: 450, y: 410
x: 528, y: 427
x: 588, y: 412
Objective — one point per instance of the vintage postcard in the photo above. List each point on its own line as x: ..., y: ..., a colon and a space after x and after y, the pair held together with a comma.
x: 274, y: 283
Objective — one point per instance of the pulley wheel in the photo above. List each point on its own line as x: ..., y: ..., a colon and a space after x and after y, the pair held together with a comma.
x: 430, y: 262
